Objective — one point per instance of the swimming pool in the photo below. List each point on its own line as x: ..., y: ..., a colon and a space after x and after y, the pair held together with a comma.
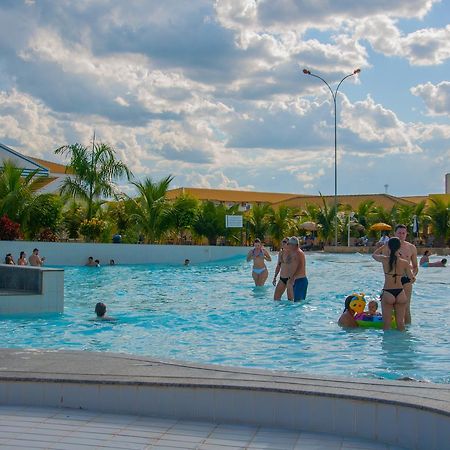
x: 212, y: 313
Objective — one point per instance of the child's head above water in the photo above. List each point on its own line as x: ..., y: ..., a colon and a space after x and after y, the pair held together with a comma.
x: 372, y: 306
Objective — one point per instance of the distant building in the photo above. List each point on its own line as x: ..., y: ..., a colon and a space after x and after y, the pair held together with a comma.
x: 52, y: 174
x: 246, y: 199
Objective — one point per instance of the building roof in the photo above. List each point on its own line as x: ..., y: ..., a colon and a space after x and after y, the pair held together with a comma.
x: 53, y: 167
x: 385, y: 200
x: 228, y: 195
x: 27, y: 164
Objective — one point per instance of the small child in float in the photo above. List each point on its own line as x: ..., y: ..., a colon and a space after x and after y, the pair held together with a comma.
x: 372, y: 309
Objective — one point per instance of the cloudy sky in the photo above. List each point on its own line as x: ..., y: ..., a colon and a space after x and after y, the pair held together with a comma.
x: 213, y: 91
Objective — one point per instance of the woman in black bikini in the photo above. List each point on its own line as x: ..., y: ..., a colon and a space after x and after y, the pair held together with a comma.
x: 284, y: 259
x: 393, y: 296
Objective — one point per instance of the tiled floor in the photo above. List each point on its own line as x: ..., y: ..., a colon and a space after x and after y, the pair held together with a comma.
x: 52, y: 428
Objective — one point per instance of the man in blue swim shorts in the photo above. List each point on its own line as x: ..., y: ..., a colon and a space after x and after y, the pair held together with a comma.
x: 297, y: 285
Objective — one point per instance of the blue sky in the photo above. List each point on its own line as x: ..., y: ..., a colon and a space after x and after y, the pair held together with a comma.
x: 212, y: 91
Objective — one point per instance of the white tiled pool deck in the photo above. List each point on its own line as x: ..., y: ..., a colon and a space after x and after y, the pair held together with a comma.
x: 66, y: 429
x: 75, y: 400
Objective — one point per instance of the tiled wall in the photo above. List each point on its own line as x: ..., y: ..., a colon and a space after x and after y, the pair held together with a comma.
x: 405, y: 426
x: 17, y: 279
x: 47, y: 297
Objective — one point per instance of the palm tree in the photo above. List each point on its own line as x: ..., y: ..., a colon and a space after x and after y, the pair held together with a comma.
x: 439, y: 212
x: 210, y: 222
x: 183, y: 214
x: 280, y: 221
x: 326, y: 220
x: 363, y: 212
x: 16, y: 192
x: 256, y: 219
x: 94, y: 171
x: 151, y: 208
x: 404, y: 214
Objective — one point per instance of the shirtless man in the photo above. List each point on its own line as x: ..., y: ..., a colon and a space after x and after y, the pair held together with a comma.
x: 297, y: 283
x: 259, y: 255
x: 407, y: 251
x: 282, y: 268
x: 35, y: 259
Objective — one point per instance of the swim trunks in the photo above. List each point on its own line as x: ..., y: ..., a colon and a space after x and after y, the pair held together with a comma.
x: 300, y: 289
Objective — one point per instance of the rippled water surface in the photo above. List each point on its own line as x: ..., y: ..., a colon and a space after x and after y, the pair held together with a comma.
x: 212, y: 313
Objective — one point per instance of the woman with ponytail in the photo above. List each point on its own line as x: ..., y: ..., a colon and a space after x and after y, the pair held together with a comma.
x: 393, y: 296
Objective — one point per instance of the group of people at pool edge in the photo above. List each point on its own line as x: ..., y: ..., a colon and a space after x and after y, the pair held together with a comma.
x: 400, y: 267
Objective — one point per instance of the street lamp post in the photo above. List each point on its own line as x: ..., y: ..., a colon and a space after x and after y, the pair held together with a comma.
x: 334, y: 95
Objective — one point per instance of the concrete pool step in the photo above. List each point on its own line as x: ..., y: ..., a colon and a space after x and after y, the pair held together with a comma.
x: 409, y: 414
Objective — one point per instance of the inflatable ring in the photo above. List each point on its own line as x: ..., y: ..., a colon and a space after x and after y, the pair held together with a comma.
x: 366, y: 321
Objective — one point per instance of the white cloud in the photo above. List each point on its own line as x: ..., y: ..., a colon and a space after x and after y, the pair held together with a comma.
x: 428, y: 46
x: 435, y: 96
x: 277, y: 15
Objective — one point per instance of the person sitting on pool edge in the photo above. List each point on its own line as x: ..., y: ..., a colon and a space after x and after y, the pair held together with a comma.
x: 347, y: 319
x: 100, y: 310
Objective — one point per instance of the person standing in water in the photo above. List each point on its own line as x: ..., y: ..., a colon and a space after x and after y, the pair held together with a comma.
x: 297, y: 285
x: 394, y: 296
x: 282, y: 268
x: 259, y: 255
x: 407, y: 251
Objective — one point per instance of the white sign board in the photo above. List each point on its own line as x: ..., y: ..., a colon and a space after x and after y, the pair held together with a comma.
x: 233, y: 221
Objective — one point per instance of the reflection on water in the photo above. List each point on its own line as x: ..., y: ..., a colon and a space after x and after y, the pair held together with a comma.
x: 398, y: 352
x: 213, y: 313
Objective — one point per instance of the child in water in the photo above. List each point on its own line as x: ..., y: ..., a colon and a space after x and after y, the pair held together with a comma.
x: 372, y: 309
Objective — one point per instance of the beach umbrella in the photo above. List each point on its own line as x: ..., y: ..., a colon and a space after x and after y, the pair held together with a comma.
x: 380, y: 226
x: 308, y: 226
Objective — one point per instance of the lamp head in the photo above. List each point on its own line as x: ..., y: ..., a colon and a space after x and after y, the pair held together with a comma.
x: 306, y: 72
x: 356, y: 71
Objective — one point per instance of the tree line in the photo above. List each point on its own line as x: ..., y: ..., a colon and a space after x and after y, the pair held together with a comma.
x: 89, y: 206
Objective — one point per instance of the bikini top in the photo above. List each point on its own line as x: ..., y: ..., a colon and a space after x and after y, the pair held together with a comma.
x: 395, y: 275
x: 261, y: 253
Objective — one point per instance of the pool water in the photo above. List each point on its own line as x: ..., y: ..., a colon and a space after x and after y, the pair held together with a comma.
x: 212, y: 313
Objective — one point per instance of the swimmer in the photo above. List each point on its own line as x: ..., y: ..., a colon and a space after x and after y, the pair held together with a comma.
x: 9, y: 260
x: 393, y: 295
x: 35, y: 259
x: 347, y: 319
x: 90, y: 262
x: 22, y: 261
x: 186, y: 262
x: 282, y: 268
x: 259, y: 255
x: 100, y: 311
x: 441, y: 263
x: 97, y: 263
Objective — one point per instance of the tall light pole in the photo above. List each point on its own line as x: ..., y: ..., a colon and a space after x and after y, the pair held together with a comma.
x: 334, y: 95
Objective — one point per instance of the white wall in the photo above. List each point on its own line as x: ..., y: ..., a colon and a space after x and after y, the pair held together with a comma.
x: 75, y: 254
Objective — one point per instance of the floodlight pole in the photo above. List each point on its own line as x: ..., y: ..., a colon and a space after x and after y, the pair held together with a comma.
x: 334, y: 95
